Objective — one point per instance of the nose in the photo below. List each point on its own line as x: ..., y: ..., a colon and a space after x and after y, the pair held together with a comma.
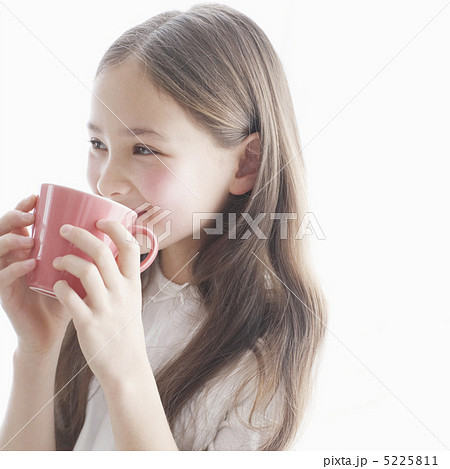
x: 113, y: 180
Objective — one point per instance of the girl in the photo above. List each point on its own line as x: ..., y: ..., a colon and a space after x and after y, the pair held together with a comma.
x: 214, y: 346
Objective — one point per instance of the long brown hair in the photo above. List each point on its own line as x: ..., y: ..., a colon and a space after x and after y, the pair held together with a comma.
x: 222, y: 69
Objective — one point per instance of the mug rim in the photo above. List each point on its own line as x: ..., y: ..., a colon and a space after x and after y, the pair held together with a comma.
x: 103, y: 199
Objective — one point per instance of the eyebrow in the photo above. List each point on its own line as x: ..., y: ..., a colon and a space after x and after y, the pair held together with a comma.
x: 126, y: 131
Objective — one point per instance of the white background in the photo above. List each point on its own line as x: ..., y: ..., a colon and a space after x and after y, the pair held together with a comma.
x: 370, y: 84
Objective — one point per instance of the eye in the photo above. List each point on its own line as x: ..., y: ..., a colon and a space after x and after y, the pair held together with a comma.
x: 148, y: 149
x: 139, y: 148
x: 94, y: 143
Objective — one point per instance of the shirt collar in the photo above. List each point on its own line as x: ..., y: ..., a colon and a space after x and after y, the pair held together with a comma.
x: 159, y: 288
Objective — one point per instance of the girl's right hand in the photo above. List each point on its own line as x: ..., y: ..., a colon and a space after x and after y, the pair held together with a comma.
x: 39, y: 321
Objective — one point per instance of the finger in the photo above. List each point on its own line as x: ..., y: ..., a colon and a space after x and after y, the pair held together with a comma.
x: 76, y: 307
x: 128, y: 258
x: 27, y: 204
x: 97, y: 250
x: 88, y: 274
x: 13, y: 225
x: 12, y: 241
x: 15, y: 220
x: 10, y: 274
x: 24, y: 207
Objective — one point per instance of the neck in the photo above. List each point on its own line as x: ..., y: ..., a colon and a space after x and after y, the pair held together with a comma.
x: 175, y: 264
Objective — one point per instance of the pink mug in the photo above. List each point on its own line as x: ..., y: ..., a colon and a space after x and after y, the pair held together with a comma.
x: 57, y: 205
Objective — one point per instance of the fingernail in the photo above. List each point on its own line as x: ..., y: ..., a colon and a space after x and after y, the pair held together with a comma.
x: 57, y: 260
x: 65, y: 229
x: 28, y: 216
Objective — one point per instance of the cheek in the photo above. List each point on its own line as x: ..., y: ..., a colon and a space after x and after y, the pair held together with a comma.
x: 195, y: 188
x: 163, y: 186
x: 153, y: 185
x: 172, y: 201
x: 180, y: 191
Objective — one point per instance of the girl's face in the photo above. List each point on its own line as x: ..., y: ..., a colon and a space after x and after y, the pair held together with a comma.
x: 187, y: 175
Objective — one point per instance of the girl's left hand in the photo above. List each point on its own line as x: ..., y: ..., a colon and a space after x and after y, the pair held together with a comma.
x: 108, y: 321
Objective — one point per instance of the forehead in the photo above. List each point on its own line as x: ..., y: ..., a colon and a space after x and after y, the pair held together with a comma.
x: 123, y: 96
x: 124, y: 93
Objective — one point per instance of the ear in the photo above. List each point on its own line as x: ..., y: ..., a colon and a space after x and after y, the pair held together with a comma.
x: 248, y: 156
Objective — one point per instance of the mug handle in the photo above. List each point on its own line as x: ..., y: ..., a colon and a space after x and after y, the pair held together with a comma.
x: 147, y: 262
x: 151, y: 256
